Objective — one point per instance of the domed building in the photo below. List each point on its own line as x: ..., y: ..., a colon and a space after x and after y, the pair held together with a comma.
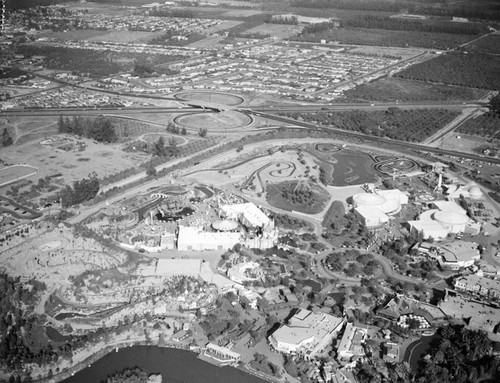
x: 447, y: 217
x: 375, y: 208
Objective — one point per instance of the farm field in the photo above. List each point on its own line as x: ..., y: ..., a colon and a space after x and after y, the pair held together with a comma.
x: 364, y: 36
x: 482, y: 126
x: 395, y: 123
x: 392, y: 89
x: 477, y: 71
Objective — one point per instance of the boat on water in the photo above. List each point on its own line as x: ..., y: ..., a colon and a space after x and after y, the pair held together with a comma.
x: 428, y: 333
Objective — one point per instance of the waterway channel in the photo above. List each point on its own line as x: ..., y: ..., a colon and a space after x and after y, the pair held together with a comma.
x: 175, y: 366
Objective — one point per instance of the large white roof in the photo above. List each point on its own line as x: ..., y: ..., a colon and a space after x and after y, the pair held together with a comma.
x: 448, y: 206
x: 368, y: 199
x: 451, y: 218
x: 250, y: 212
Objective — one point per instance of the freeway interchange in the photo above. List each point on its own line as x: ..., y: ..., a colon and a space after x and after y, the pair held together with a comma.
x: 271, y: 113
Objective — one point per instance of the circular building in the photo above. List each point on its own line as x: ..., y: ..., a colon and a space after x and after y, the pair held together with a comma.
x: 475, y: 192
x: 225, y: 225
x: 391, y: 207
x: 368, y: 199
x: 452, y: 221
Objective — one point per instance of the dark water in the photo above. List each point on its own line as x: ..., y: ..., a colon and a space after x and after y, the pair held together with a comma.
x: 174, y: 365
x: 422, y: 348
x: 174, y: 216
x: 63, y: 316
x: 55, y: 335
x: 352, y: 169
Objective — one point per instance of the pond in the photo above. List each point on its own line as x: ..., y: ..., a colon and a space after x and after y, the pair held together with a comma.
x: 174, y: 216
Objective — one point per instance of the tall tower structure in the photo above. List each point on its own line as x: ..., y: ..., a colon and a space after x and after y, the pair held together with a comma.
x: 2, y: 21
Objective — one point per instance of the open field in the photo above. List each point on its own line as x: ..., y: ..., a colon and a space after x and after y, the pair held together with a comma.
x: 16, y: 172
x: 466, y: 143
x: 79, y: 34
x: 73, y: 165
x: 24, y: 129
x: 404, y: 53
x: 392, y: 89
x: 127, y: 37
x: 363, y: 36
x: 281, y: 31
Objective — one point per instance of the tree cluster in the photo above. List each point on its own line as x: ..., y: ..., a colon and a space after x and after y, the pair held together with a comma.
x: 290, y: 223
x: 261, y: 363
x: 404, y: 125
x: 298, y: 196
x: 83, y: 190
x: 460, y: 356
x: 93, y: 62
x: 162, y: 149
x: 129, y: 375
x: 6, y: 138
x: 22, y: 339
x: 100, y: 129
x: 174, y: 129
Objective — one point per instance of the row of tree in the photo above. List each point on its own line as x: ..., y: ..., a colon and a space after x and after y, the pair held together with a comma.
x: 400, y: 24
x: 100, y: 129
x: 6, y: 138
x: 292, y: 20
x: 461, y: 355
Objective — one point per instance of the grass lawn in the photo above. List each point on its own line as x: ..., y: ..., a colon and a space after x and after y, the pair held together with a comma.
x: 274, y: 197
